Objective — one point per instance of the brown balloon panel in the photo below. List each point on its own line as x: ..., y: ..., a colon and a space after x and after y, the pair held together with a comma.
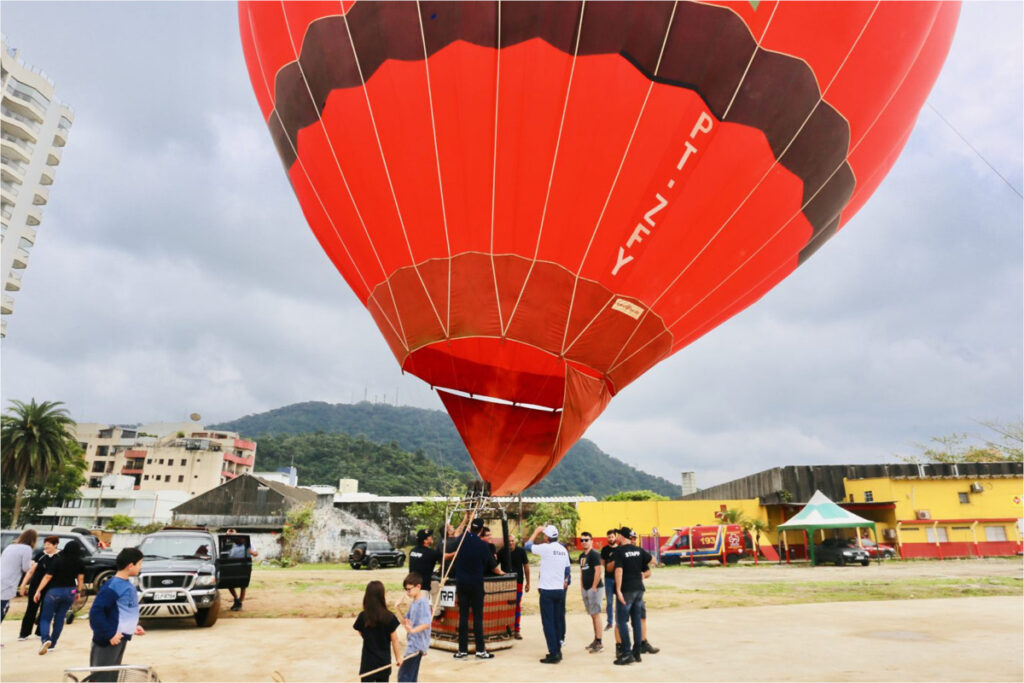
x: 539, y: 201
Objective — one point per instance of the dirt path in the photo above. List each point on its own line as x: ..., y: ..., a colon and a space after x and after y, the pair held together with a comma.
x: 965, y: 639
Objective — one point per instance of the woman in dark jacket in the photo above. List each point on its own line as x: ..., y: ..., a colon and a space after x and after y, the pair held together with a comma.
x: 62, y: 583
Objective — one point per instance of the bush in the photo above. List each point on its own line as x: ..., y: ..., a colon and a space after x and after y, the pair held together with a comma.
x: 642, y: 494
x: 120, y: 523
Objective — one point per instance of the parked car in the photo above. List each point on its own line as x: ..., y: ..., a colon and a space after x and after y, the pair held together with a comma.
x: 373, y: 554
x: 183, y: 570
x: 887, y: 551
x: 100, y: 565
x: 840, y: 551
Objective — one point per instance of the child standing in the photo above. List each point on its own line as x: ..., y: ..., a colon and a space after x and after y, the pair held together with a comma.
x: 114, y: 616
x: 417, y: 624
x: 378, y: 627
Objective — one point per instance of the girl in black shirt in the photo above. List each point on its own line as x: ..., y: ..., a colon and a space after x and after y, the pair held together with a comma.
x: 62, y: 583
x: 378, y: 627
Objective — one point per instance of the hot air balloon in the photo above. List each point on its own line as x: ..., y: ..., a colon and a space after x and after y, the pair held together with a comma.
x: 539, y: 201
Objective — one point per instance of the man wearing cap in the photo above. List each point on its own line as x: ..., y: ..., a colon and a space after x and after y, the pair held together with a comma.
x: 423, y: 558
x: 630, y: 563
x: 472, y: 560
x: 554, y: 563
x: 645, y: 647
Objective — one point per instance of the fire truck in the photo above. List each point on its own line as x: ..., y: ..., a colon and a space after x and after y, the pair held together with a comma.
x: 725, y: 543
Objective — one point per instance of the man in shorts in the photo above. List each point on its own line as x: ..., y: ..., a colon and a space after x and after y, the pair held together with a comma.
x: 591, y: 574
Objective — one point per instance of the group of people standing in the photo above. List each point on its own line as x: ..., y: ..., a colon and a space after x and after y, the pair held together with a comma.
x: 54, y: 580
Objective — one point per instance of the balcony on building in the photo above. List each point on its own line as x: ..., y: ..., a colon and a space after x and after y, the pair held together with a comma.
x: 7, y: 306
x: 46, y: 176
x: 33, y: 215
x: 227, y: 474
x: 25, y: 99
x: 18, y: 125
x: 40, y: 195
x: 13, y: 283
x: 126, y: 470
x: 136, y: 455
x: 239, y: 460
x: 20, y: 258
x: 29, y: 234
x: 60, y: 135
x: 53, y: 156
x: 10, y: 190
x: 15, y: 147
x: 12, y: 170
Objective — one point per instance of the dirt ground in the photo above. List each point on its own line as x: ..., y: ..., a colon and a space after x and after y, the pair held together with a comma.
x: 954, y: 639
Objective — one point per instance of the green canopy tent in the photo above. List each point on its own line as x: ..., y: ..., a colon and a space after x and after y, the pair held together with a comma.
x: 822, y: 513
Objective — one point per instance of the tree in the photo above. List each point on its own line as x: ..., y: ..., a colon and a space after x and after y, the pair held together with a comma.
x: 36, y: 442
x: 1005, y: 445
x: 564, y: 516
x: 731, y: 516
x: 642, y: 494
x: 61, y: 486
x: 120, y: 523
x: 758, y: 526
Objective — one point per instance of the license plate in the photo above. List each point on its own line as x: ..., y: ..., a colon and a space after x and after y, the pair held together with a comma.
x: 165, y: 595
x: 448, y: 596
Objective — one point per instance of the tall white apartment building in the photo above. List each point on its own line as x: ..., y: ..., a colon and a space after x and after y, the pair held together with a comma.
x: 33, y: 130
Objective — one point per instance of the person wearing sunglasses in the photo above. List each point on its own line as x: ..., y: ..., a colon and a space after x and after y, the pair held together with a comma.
x: 591, y: 584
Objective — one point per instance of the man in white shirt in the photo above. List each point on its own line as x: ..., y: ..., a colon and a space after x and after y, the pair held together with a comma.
x: 554, y: 563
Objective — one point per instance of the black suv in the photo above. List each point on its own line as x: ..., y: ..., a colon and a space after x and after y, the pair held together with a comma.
x: 100, y: 565
x: 183, y: 570
x: 373, y: 554
x: 840, y: 551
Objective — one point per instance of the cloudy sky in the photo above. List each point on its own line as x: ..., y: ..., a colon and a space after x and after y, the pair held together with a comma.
x: 174, y: 272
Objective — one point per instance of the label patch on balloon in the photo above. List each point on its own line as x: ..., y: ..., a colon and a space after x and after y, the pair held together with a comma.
x: 627, y: 307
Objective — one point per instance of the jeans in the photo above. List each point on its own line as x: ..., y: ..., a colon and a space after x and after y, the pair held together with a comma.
x: 519, y: 605
x: 409, y: 671
x: 471, y: 595
x: 106, y: 655
x: 630, y: 612
x: 610, y: 599
x: 56, y: 604
x: 552, y: 617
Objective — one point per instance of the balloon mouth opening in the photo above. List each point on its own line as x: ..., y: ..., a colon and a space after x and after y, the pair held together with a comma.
x: 494, y: 399
x: 495, y: 370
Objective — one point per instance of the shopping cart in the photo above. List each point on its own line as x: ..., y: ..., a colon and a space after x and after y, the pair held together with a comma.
x: 122, y: 674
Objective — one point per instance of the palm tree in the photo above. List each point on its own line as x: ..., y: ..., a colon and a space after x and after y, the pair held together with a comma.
x: 758, y: 526
x: 731, y: 516
x: 35, y: 442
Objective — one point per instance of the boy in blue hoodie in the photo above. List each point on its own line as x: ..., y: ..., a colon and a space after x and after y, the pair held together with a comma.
x: 114, y: 616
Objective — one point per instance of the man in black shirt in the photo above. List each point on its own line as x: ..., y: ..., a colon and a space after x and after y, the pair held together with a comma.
x: 474, y: 558
x: 629, y: 590
x: 423, y: 558
x: 520, y: 564
x: 608, y: 560
x: 591, y: 573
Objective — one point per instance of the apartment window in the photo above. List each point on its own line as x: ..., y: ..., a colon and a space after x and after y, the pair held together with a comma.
x: 146, y: 477
x: 184, y: 462
x: 102, y: 450
x: 936, y: 532
x: 161, y: 461
x: 98, y: 466
x: 149, y: 461
x: 995, y: 533
x: 167, y: 477
x: 869, y: 497
x: 181, y: 478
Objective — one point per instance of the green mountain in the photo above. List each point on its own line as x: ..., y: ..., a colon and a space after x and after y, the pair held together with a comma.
x: 585, y: 469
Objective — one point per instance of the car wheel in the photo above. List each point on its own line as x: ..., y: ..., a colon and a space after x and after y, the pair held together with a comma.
x: 205, y: 618
x: 354, y: 565
x: 840, y: 561
x: 101, y: 579
x: 373, y: 563
x: 401, y: 561
x: 732, y: 558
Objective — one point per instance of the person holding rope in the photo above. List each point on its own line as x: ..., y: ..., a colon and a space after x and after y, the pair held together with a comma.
x: 377, y: 625
x: 472, y: 560
x: 417, y: 623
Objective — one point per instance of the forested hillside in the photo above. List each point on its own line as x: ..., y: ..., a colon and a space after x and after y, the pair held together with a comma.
x: 585, y: 469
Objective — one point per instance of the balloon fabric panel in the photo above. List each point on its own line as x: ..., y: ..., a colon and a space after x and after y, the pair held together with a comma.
x: 537, y: 202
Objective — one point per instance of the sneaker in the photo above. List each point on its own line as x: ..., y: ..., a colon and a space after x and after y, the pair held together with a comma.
x: 625, y: 659
x: 551, y: 659
x: 23, y: 638
x: 595, y: 647
x: 649, y: 649
x: 237, y: 607
x: 460, y: 655
x: 636, y: 656
x: 607, y: 627
x: 45, y: 647
x: 485, y: 655
x: 517, y: 635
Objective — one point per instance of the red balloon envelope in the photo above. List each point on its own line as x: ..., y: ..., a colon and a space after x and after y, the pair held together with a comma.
x: 537, y: 202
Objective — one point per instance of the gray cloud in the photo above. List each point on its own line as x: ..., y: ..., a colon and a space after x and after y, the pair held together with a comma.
x: 174, y: 271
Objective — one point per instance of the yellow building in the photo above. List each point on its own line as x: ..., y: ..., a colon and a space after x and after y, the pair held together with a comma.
x: 932, y: 510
